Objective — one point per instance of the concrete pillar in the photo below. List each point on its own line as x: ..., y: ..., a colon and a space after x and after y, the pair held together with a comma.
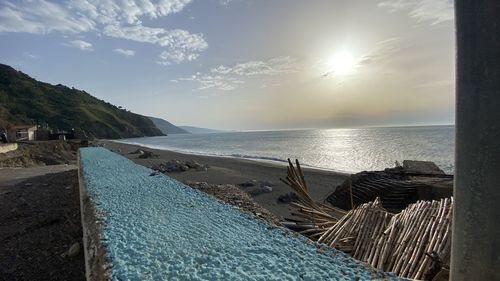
x: 476, y: 219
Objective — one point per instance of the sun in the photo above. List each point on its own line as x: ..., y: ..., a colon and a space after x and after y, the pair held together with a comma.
x: 341, y: 63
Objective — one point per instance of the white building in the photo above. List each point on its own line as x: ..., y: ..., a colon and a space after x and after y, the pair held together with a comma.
x: 21, y: 132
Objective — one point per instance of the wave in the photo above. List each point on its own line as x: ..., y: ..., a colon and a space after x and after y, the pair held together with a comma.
x: 193, y: 152
x: 274, y: 159
x: 202, y: 153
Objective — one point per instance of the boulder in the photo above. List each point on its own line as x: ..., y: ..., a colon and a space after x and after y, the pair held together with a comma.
x: 146, y: 154
x: 73, y: 251
x: 266, y: 189
x: 202, y: 168
x: 193, y: 164
x: 288, y: 198
x: 249, y: 183
x: 137, y: 151
x: 422, y: 167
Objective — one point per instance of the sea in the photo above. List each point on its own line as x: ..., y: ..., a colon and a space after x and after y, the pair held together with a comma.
x: 341, y: 150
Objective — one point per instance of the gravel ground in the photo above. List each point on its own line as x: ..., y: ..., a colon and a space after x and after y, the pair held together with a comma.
x: 157, y: 228
x: 232, y: 195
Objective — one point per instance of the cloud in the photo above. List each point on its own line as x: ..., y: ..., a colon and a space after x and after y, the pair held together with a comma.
x: 227, y: 78
x: 80, y: 44
x: 29, y: 55
x: 219, y: 82
x: 125, y: 52
x: 175, y: 56
x: 437, y: 84
x: 382, y: 51
x: 41, y: 17
x: 226, y: 2
x: 433, y: 11
x: 180, y: 45
x: 118, y: 19
x: 130, y: 12
x: 272, y: 66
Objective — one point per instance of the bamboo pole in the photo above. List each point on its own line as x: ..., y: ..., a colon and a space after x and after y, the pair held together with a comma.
x: 350, y: 192
x: 400, y: 243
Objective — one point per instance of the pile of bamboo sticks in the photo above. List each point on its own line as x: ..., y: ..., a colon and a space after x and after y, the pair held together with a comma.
x: 415, y: 243
x: 357, y: 231
x: 314, y: 216
x: 409, y: 244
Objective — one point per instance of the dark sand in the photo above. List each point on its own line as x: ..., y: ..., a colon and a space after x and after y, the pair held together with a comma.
x: 223, y: 170
x: 40, y: 213
x: 39, y: 221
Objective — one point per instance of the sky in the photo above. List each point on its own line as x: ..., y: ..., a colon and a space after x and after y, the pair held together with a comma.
x: 245, y: 64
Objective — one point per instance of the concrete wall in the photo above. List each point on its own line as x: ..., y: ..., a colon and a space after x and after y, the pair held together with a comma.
x: 31, y: 133
x: 476, y: 218
x: 6, y: 147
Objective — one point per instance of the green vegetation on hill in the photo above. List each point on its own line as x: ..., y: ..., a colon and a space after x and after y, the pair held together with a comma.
x: 24, y: 100
x: 167, y: 127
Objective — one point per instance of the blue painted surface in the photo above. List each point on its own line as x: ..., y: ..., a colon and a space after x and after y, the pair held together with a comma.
x: 159, y: 229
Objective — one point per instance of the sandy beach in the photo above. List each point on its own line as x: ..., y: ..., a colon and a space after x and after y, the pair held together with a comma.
x: 236, y: 171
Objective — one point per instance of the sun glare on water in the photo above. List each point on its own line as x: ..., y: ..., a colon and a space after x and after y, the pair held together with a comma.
x: 341, y: 63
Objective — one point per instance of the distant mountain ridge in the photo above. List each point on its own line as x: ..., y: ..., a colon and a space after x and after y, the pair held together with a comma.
x: 24, y: 100
x: 167, y: 127
x: 198, y: 130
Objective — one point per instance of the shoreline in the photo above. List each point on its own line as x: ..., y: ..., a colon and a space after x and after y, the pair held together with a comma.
x: 235, y: 170
x: 276, y: 161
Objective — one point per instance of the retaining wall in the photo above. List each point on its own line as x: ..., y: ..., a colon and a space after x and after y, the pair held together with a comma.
x: 139, y: 226
x: 6, y: 147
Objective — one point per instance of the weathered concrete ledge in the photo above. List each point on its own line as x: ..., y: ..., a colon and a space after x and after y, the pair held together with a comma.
x: 6, y: 147
x: 139, y: 226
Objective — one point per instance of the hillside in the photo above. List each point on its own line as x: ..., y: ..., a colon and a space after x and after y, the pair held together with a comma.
x: 167, y: 127
x: 24, y: 100
x: 198, y: 130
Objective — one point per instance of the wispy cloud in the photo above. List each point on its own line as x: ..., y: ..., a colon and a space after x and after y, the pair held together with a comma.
x: 436, y: 84
x: 272, y: 66
x: 175, y: 56
x: 180, y: 45
x: 80, y: 44
x: 119, y: 19
x: 29, y: 55
x: 227, y: 78
x: 433, y: 11
x: 382, y: 51
x: 219, y: 82
x: 41, y: 17
x: 226, y: 2
x: 125, y: 52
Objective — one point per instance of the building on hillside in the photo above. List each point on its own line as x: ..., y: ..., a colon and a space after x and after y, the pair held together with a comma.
x: 62, y: 135
x: 21, y: 133
x: 42, y: 134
